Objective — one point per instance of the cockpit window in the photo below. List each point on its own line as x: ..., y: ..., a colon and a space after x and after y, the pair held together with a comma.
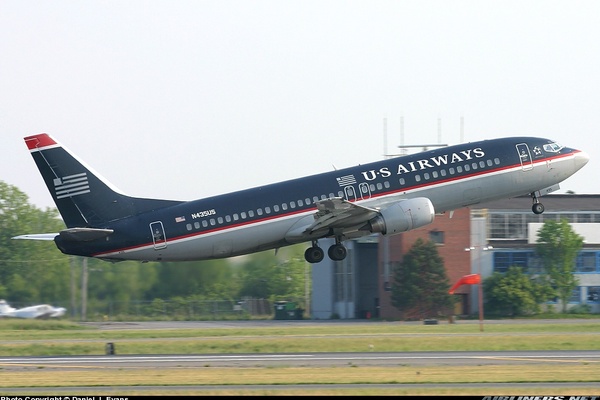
x: 553, y: 147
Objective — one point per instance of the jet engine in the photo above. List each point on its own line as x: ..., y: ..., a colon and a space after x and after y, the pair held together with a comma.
x: 403, y: 216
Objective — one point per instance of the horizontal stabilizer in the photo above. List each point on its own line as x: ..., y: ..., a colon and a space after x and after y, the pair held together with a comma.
x: 84, y: 234
x: 38, y: 236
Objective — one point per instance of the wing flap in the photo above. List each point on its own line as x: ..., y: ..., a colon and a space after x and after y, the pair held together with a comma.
x: 339, y: 213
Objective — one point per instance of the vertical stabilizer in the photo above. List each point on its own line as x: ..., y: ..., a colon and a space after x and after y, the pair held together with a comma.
x: 83, y: 197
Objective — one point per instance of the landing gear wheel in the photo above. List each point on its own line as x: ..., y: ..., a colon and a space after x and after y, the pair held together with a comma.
x: 314, y: 254
x: 537, y: 208
x: 337, y: 252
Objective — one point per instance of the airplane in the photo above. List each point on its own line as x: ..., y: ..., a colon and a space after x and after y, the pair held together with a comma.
x: 387, y: 197
x: 41, y: 311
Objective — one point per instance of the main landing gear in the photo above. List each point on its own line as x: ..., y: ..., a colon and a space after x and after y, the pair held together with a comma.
x: 537, y: 207
x: 315, y: 254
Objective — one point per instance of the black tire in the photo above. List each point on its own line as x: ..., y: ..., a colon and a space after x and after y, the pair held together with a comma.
x: 337, y: 252
x: 314, y: 254
x: 537, y: 208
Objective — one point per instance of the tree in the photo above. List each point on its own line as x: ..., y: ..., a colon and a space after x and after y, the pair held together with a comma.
x: 267, y: 276
x: 557, y: 246
x: 189, y: 278
x: 514, y: 293
x: 420, y: 283
x: 30, y: 271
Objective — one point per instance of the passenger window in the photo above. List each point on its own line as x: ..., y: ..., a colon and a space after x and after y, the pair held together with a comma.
x: 474, y: 165
x: 386, y: 184
x: 379, y: 186
x: 251, y: 213
x: 372, y: 187
x: 482, y: 164
x: 435, y: 174
x: 268, y: 210
x: 284, y: 206
x: 497, y: 161
x: 243, y: 215
x: 426, y: 176
x: 205, y: 223
x: 292, y: 204
x: 196, y: 225
x: 443, y: 172
x: 418, y: 178
x: 220, y: 220
x: 259, y: 211
x: 300, y: 203
x: 235, y: 217
x: 228, y: 218
x: 451, y: 170
x: 213, y: 222
x: 490, y: 163
x: 315, y: 199
x: 459, y: 169
x: 307, y: 200
x: 188, y: 227
x: 402, y: 181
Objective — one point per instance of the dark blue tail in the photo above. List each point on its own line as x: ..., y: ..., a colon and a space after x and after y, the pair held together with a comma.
x: 82, y: 197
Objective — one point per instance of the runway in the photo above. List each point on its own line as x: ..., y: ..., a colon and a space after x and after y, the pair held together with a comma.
x: 305, y: 360
x: 277, y: 361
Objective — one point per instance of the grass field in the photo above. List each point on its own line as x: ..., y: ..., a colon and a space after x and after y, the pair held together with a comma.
x: 35, y: 338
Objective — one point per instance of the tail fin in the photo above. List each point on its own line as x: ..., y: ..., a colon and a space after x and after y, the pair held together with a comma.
x: 5, y: 308
x: 83, y: 198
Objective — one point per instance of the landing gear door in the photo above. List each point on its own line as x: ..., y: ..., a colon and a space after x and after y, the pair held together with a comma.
x: 158, y: 235
x: 525, y: 156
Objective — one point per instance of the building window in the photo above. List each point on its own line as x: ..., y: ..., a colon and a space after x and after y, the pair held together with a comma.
x: 587, y: 262
x: 436, y: 237
x: 593, y: 294
x: 503, y: 260
x: 576, y: 295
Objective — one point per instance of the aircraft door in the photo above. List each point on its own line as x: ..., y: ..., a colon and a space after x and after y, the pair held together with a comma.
x: 350, y: 193
x: 365, y: 190
x: 158, y: 235
x: 525, y: 156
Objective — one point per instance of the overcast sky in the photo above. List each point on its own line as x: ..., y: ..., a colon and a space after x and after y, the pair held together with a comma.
x: 187, y: 99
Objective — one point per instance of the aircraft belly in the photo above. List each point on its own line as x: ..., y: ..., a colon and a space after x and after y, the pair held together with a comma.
x: 508, y: 184
x: 262, y: 236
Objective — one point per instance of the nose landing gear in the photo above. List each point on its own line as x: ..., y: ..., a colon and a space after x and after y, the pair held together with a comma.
x: 537, y: 207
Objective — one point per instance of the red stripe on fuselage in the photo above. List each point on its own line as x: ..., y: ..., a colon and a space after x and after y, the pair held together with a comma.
x: 387, y: 193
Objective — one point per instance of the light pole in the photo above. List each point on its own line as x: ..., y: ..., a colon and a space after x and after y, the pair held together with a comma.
x: 480, y: 284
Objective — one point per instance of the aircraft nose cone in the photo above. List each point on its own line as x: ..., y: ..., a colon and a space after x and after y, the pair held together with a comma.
x: 581, y: 158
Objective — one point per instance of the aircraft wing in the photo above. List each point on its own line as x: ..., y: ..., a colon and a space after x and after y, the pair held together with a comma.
x: 337, y: 213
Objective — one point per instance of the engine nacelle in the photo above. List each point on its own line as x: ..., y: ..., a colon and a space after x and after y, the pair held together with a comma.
x: 403, y: 216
